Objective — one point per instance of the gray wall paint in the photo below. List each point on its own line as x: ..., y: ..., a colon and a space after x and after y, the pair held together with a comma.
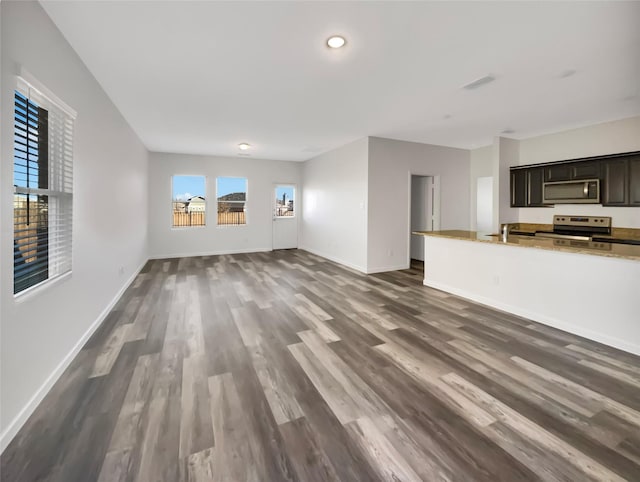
x: 505, y: 155
x: 391, y: 164
x: 110, y: 213
x: 256, y: 235
x: 481, y: 166
x: 334, y: 219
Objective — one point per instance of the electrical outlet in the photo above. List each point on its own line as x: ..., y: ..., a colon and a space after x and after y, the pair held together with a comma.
x: 496, y: 280
x: 121, y: 270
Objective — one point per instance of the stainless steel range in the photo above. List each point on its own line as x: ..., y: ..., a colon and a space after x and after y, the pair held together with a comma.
x: 583, y: 228
x: 590, y: 231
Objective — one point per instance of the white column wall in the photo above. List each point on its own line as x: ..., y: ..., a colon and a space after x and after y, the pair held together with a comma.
x: 334, y: 218
x: 391, y: 164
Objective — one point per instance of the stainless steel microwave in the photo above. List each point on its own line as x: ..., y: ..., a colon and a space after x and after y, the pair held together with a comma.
x: 571, y: 192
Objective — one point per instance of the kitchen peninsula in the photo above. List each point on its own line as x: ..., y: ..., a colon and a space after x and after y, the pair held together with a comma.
x: 589, y: 289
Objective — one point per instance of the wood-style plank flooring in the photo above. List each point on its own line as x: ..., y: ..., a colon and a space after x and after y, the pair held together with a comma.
x: 285, y: 366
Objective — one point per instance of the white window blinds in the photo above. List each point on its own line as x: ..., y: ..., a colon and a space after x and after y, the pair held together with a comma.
x: 43, y: 187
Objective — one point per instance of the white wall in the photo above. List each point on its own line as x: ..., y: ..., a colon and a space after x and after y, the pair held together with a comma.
x: 484, y: 205
x: 391, y: 164
x: 334, y: 219
x: 166, y: 241
x: 481, y: 165
x: 505, y: 155
x: 607, y: 138
x: 40, y: 333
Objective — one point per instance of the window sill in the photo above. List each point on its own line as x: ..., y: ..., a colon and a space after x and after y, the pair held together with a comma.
x: 40, y: 287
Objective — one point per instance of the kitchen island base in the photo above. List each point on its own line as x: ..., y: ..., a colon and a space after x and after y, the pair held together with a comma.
x: 591, y: 296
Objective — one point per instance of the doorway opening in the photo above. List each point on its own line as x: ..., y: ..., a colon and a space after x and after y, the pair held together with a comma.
x: 424, y: 201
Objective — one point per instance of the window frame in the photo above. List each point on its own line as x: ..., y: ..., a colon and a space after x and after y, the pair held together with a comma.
x: 246, y: 202
x: 28, y: 86
x: 206, y: 202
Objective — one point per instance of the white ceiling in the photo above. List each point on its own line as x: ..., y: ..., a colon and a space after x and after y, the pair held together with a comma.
x: 201, y: 77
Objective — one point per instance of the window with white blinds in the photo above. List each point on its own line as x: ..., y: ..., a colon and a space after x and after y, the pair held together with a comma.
x: 43, y: 187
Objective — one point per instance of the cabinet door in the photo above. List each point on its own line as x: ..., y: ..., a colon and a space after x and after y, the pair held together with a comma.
x: 634, y: 181
x: 585, y: 170
x: 519, y: 188
x: 535, y: 178
x: 615, y: 182
x: 559, y: 172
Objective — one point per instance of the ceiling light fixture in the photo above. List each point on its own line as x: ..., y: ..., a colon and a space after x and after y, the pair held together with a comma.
x: 244, y: 146
x: 336, y: 41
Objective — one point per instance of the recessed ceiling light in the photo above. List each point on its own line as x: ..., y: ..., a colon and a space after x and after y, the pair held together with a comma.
x: 244, y: 146
x: 336, y: 42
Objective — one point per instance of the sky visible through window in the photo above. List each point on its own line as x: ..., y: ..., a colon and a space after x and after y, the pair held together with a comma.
x: 185, y: 187
x: 286, y: 190
x: 229, y: 185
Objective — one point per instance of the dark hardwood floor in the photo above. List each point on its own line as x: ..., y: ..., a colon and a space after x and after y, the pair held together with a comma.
x: 285, y: 366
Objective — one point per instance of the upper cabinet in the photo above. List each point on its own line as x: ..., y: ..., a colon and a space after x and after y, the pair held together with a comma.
x: 621, y: 181
x: 518, y: 188
x: 572, y: 171
x: 535, y: 178
x: 526, y: 187
x: 634, y: 181
x: 619, y: 176
x: 614, y: 187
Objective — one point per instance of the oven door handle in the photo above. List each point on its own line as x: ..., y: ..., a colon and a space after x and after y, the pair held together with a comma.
x: 563, y: 236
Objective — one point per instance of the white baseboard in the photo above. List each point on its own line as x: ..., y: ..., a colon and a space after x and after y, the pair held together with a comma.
x: 19, y: 420
x: 210, y: 253
x: 545, y: 320
x: 335, y: 259
x: 388, y: 268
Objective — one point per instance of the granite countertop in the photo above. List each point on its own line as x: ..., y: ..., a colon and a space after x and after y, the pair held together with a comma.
x: 612, y: 250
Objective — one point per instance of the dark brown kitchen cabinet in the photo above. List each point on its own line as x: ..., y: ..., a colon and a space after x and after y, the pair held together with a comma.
x: 619, y: 176
x: 519, y: 188
x: 573, y: 171
x: 615, y: 182
x: 634, y: 181
x: 535, y: 178
x: 559, y: 172
x: 526, y: 187
x: 585, y: 170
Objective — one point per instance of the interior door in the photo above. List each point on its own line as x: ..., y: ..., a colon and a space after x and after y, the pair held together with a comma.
x: 285, y: 217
